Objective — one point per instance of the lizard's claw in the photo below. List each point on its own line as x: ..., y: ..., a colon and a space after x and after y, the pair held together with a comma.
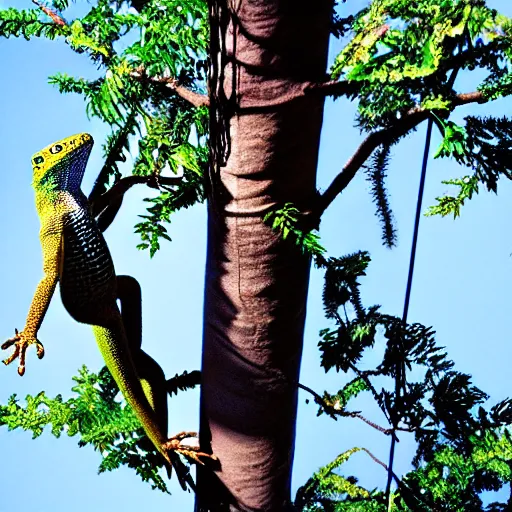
x: 21, y: 342
x: 191, y: 452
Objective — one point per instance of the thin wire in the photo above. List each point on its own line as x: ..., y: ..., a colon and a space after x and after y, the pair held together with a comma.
x: 400, y: 373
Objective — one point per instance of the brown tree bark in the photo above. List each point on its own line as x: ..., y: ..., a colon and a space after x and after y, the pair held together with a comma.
x: 256, y: 283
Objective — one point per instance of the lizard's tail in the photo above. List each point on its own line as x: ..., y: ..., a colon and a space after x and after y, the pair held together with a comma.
x: 144, y: 398
x: 116, y: 353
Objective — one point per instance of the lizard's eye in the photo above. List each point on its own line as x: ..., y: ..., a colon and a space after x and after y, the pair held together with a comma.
x: 38, y: 160
x: 56, y: 149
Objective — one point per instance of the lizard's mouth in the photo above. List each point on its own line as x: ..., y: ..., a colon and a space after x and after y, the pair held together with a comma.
x: 86, y: 138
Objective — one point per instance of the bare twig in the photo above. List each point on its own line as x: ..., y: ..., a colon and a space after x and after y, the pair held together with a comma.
x: 195, y: 98
x: 470, y: 97
x: 371, y: 387
x: 378, y: 461
x: 386, y: 431
x: 332, y: 411
x: 105, y: 208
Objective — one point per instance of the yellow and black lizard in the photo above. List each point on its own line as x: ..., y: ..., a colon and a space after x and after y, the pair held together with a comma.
x: 76, y: 255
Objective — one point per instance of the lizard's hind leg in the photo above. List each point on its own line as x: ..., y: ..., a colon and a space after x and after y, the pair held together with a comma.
x: 151, y: 375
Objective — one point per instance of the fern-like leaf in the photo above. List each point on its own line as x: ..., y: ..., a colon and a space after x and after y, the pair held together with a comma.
x: 376, y: 175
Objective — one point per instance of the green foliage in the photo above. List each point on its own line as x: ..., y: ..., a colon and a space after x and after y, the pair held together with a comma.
x: 452, y: 481
x: 150, y: 229
x: 454, y: 141
x: 462, y: 448
x: 323, y: 489
x: 485, y: 146
x: 99, y: 419
x: 446, y: 205
x: 403, y: 55
x: 489, y: 149
x: 28, y: 24
x: 287, y: 221
x: 163, y: 148
x: 335, y: 404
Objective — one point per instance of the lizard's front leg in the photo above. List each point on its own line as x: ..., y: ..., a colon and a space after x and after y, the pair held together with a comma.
x: 51, y: 241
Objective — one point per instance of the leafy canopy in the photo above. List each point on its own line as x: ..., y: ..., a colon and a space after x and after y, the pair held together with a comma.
x: 404, y: 58
x: 463, y: 449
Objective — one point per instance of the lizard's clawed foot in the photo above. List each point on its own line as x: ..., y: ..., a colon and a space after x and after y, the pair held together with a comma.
x: 191, y: 452
x: 21, y: 342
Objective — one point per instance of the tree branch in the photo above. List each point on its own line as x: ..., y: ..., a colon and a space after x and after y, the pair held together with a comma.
x: 124, y: 184
x: 380, y: 463
x: 56, y: 18
x: 334, y: 88
x: 338, y: 88
x: 371, y: 387
x: 335, y: 412
x: 194, y: 98
x: 105, y: 208
x: 401, y: 127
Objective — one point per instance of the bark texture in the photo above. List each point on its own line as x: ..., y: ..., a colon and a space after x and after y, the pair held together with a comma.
x: 256, y: 283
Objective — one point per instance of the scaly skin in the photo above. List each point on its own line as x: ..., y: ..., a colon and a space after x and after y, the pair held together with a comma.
x: 76, y: 255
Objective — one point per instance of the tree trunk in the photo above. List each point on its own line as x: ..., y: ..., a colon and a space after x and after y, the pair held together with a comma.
x: 265, y: 51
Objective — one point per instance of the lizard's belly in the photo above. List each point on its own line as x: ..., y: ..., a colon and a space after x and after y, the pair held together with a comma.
x: 87, y: 278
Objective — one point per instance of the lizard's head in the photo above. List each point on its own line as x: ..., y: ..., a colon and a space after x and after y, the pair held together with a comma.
x: 61, y: 165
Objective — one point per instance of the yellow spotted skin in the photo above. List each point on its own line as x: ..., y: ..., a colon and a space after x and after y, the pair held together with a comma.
x: 75, y: 255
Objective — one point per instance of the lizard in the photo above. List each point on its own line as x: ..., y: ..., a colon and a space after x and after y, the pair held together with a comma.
x: 76, y: 256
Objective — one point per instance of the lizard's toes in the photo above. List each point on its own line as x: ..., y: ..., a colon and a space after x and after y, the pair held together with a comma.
x: 39, y: 350
x: 21, y: 342
x: 14, y: 355
x: 11, y: 341
x: 191, y: 452
x: 197, y: 455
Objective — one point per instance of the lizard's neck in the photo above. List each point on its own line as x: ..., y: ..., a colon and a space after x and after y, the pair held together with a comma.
x: 60, y: 187
x: 60, y: 202
x: 58, y: 179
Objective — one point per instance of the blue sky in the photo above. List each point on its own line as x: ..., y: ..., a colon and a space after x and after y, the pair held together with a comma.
x: 462, y: 287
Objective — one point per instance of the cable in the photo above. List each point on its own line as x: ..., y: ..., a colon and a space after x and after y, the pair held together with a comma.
x: 400, y: 372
